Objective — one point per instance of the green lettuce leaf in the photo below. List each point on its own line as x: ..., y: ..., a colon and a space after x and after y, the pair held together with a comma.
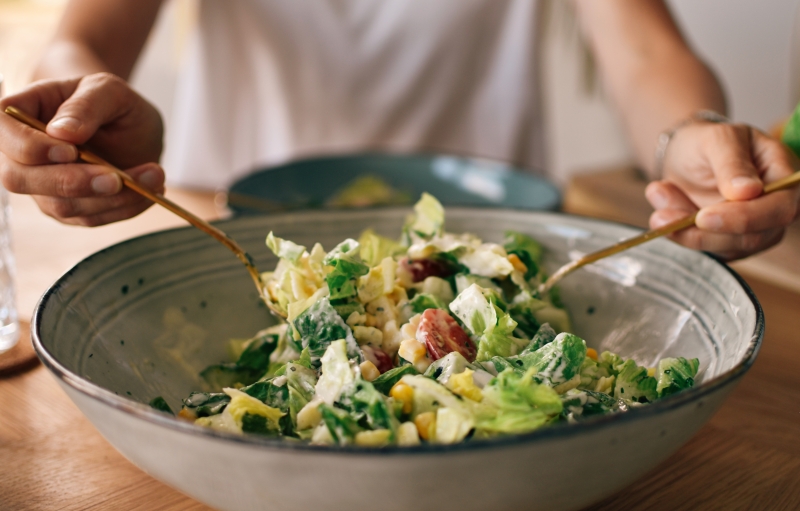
x: 557, y: 362
x: 634, y: 385
x: 375, y: 247
x: 285, y: 249
x: 518, y: 404
x: 675, y: 374
x: 387, y: 380
x: 527, y: 249
x: 320, y: 325
x: 428, y: 218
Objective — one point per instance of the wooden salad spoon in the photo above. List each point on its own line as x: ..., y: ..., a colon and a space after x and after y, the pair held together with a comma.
x: 159, y: 199
x: 677, y: 225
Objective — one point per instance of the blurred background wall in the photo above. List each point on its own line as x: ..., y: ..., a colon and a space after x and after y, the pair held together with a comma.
x: 752, y: 46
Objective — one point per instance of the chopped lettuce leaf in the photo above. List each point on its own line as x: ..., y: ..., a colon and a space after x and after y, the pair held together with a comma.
x: 528, y: 251
x: 387, y: 380
x: 675, y: 374
x: 423, y: 301
x: 284, y: 249
x: 374, y: 247
x: 634, y: 385
x: 557, y: 362
x: 428, y: 217
x: 320, y: 325
x: 474, y: 310
x: 517, y: 404
x: 336, y: 372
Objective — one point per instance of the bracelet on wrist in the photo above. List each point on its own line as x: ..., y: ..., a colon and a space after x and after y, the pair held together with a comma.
x: 666, y: 136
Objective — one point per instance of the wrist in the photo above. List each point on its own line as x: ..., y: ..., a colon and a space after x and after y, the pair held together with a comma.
x: 665, y: 137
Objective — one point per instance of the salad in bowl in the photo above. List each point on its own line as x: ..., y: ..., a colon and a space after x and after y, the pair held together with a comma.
x: 435, y: 338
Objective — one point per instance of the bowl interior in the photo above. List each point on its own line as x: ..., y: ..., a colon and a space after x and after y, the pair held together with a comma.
x: 142, y: 318
x: 453, y: 180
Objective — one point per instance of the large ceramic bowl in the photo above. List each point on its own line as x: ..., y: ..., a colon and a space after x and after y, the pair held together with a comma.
x: 140, y: 319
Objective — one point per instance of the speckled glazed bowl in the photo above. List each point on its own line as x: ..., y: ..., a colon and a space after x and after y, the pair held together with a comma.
x: 141, y: 318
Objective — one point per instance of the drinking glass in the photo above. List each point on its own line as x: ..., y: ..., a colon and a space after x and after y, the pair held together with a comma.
x: 9, y: 322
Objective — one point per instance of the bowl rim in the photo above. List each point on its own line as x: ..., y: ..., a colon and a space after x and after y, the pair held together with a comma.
x: 146, y: 413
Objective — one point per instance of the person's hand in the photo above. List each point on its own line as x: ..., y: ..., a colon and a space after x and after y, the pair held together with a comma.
x: 707, y: 164
x: 100, y: 111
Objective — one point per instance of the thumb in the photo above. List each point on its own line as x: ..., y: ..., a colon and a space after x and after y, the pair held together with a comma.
x: 98, y: 100
x: 729, y: 152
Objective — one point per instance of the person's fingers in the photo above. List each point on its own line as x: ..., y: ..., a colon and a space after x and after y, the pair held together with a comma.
x: 775, y: 210
x: 774, y: 160
x: 92, y: 211
x: 98, y: 99
x: 728, y: 149
x: 58, y: 180
x: 728, y: 246
x: 29, y: 146
x: 103, y: 216
x: 41, y: 99
x: 664, y: 195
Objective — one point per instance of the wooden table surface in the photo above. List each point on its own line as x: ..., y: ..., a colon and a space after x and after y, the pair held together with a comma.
x: 746, y: 457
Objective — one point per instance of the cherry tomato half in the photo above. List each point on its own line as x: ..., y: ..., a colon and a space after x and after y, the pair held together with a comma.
x: 442, y: 335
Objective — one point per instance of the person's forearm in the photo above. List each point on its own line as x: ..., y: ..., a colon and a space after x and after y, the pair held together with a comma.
x: 96, y: 36
x: 650, y: 73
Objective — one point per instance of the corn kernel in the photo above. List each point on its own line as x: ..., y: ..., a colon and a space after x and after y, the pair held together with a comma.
x: 651, y: 371
x: 463, y: 385
x: 404, y: 394
x: 426, y: 425
x: 412, y: 350
x: 517, y: 263
x: 368, y: 370
x: 407, y: 434
x: 591, y: 353
x: 376, y: 438
x: 371, y: 320
x: 187, y: 414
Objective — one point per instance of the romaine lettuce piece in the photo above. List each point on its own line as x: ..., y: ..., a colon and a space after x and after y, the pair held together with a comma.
x: 368, y: 407
x: 160, y: 404
x: 527, y: 249
x: 517, y: 404
x: 336, y: 372
x: 523, y: 309
x: 500, y: 340
x: 374, y: 247
x: 544, y: 335
x: 428, y: 219
x: 342, y: 427
x: 285, y: 249
x: 487, y: 320
x: 465, y: 280
x: 320, y: 325
x: 634, y: 385
x: 423, y: 301
x: 243, y: 404
x: 387, y: 380
x: 342, y: 281
x: 300, y: 384
x: 557, y: 362
x: 205, y: 404
x: 348, y: 249
x: 474, y: 310
x: 675, y: 374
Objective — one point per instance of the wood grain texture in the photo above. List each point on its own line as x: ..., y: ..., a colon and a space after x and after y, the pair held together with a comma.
x: 746, y: 457
x: 21, y: 357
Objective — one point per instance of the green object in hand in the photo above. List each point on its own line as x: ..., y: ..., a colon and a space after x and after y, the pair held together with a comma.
x: 791, y: 132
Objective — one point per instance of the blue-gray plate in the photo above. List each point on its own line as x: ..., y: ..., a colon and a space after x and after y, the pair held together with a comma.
x: 454, y: 180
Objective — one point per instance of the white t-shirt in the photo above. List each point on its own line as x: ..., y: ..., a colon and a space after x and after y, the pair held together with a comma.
x: 266, y: 81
